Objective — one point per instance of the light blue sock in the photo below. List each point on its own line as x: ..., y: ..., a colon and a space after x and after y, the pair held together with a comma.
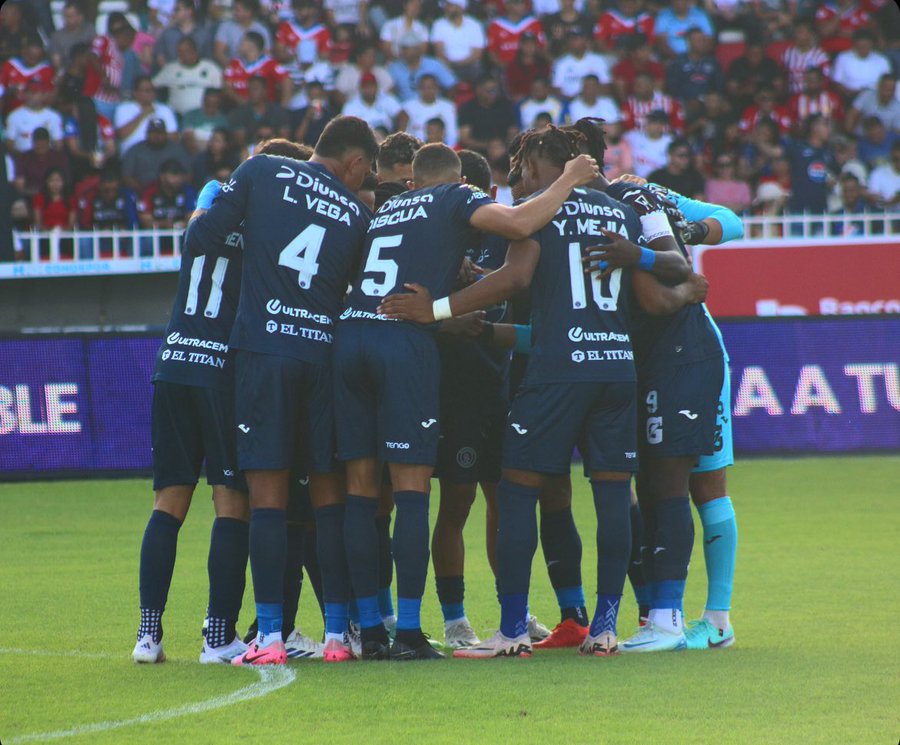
x: 720, y: 549
x: 408, y: 615
x: 369, y: 615
x: 335, y: 618
x: 269, y: 617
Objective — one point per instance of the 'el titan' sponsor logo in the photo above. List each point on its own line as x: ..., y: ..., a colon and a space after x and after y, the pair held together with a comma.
x: 57, y: 415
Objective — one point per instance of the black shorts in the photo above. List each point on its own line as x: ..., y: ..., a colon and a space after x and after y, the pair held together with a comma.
x: 386, y: 392
x: 191, y: 424
x: 678, y: 409
x: 471, y: 445
x: 548, y: 420
x: 285, y: 413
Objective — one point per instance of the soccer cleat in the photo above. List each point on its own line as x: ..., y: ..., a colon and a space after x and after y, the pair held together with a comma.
x: 703, y: 634
x: 147, y: 651
x: 497, y: 646
x: 602, y: 645
x: 536, y: 630
x: 355, y: 640
x: 390, y: 625
x: 567, y: 633
x: 273, y: 653
x: 337, y: 651
x: 402, y: 652
x: 376, y: 650
x: 652, y: 638
x: 459, y: 634
x: 301, y: 647
x: 222, y: 655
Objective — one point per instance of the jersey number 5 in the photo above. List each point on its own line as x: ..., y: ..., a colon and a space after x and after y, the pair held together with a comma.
x: 377, y: 265
x: 605, y: 290
x: 302, y: 254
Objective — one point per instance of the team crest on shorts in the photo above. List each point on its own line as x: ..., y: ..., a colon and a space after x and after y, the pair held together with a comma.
x: 466, y: 457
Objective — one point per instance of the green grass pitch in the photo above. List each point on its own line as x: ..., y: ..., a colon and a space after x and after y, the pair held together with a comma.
x: 816, y: 659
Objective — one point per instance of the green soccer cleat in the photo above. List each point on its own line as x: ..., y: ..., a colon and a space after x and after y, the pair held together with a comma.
x: 703, y: 634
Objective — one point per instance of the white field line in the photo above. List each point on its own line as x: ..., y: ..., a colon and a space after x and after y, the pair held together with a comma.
x: 270, y: 680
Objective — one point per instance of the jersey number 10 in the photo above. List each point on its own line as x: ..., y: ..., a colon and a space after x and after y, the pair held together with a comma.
x: 605, y: 290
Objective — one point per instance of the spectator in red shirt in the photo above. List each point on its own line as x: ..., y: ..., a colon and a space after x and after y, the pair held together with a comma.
x: 837, y: 20
x: 629, y: 19
x: 636, y: 57
x: 529, y: 64
x: 766, y: 107
x: 646, y: 99
x: 54, y: 206
x: 803, y: 54
x: 17, y: 72
x: 106, y: 68
x: 302, y: 38
x: 252, y: 63
x: 815, y: 100
x: 33, y: 166
x: 504, y: 32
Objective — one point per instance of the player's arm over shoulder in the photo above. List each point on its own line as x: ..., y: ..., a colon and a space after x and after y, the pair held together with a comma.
x: 226, y: 211
x: 658, y: 299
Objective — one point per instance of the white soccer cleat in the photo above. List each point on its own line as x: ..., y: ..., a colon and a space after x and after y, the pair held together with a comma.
x: 653, y: 638
x: 301, y: 647
x: 536, y: 630
x: 497, y: 646
x: 602, y: 645
x: 222, y: 655
x: 459, y: 634
x: 147, y: 651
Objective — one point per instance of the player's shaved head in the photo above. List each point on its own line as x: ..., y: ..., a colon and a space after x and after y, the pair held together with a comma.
x: 476, y: 169
x: 284, y: 148
x: 436, y: 164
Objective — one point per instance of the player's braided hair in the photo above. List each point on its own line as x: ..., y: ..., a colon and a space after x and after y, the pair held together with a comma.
x: 594, y: 137
x: 551, y: 144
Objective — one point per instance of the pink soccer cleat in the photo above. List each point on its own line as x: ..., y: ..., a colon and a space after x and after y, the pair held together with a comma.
x: 336, y: 651
x: 271, y: 654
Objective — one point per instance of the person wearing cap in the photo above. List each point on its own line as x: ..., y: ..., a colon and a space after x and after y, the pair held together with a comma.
x: 412, y: 65
x: 132, y: 117
x: 169, y: 201
x: 376, y: 108
x: 142, y: 163
x: 570, y: 69
x: 407, y: 25
x: 458, y: 40
x: 504, y: 32
x: 35, y: 113
x: 17, y: 72
x: 649, y: 145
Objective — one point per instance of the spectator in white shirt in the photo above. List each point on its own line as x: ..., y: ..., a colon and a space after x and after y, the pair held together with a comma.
x: 188, y: 78
x: 376, y: 108
x: 650, y: 145
x: 350, y: 13
x: 132, y: 116
x: 459, y: 40
x: 362, y: 61
x: 397, y: 28
x: 884, y: 181
x: 592, y: 104
x: 22, y: 122
x: 859, y: 67
x: 429, y: 106
x: 540, y: 102
x: 570, y: 69
x: 244, y: 18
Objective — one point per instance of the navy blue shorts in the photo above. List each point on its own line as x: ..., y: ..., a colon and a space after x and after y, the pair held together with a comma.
x: 386, y: 392
x: 299, y: 509
x: 472, y: 425
x: 284, y: 409
x: 678, y: 409
x: 191, y: 424
x: 548, y: 420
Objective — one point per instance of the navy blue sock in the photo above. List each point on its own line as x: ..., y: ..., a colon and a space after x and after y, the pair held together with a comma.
x: 227, y: 569
x: 361, y: 542
x: 612, y: 501
x: 517, y: 540
x: 672, y: 551
x: 268, y: 550
x: 158, y: 559
x: 385, y: 555
x: 293, y: 576
x: 562, y: 554
x: 636, y: 575
x: 411, y: 552
x: 648, y: 542
x: 451, y: 593
x: 333, y: 565
x: 311, y: 565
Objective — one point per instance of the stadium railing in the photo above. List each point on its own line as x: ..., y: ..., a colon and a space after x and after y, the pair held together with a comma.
x: 99, y: 252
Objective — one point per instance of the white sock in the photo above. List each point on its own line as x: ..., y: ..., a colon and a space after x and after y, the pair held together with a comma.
x: 718, y: 618
x: 329, y: 636
x: 389, y: 620
x: 264, y: 640
x: 667, y: 619
x: 448, y: 624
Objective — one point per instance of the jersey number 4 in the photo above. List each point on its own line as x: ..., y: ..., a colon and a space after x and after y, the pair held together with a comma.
x: 214, y: 302
x: 605, y: 290
x: 302, y: 254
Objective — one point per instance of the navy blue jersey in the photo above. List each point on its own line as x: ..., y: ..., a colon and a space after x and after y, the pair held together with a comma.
x: 580, y: 322
x: 466, y: 362
x: 196, y: 350
x: 303, y: 235
x: 684, y: 337
x: 419, y: 236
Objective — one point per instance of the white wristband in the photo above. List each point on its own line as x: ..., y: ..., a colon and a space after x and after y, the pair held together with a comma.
x: 441, y: 309
x: 656, y: 225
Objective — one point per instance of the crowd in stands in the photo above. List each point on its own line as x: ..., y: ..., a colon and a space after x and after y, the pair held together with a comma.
x: 115, y: 113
